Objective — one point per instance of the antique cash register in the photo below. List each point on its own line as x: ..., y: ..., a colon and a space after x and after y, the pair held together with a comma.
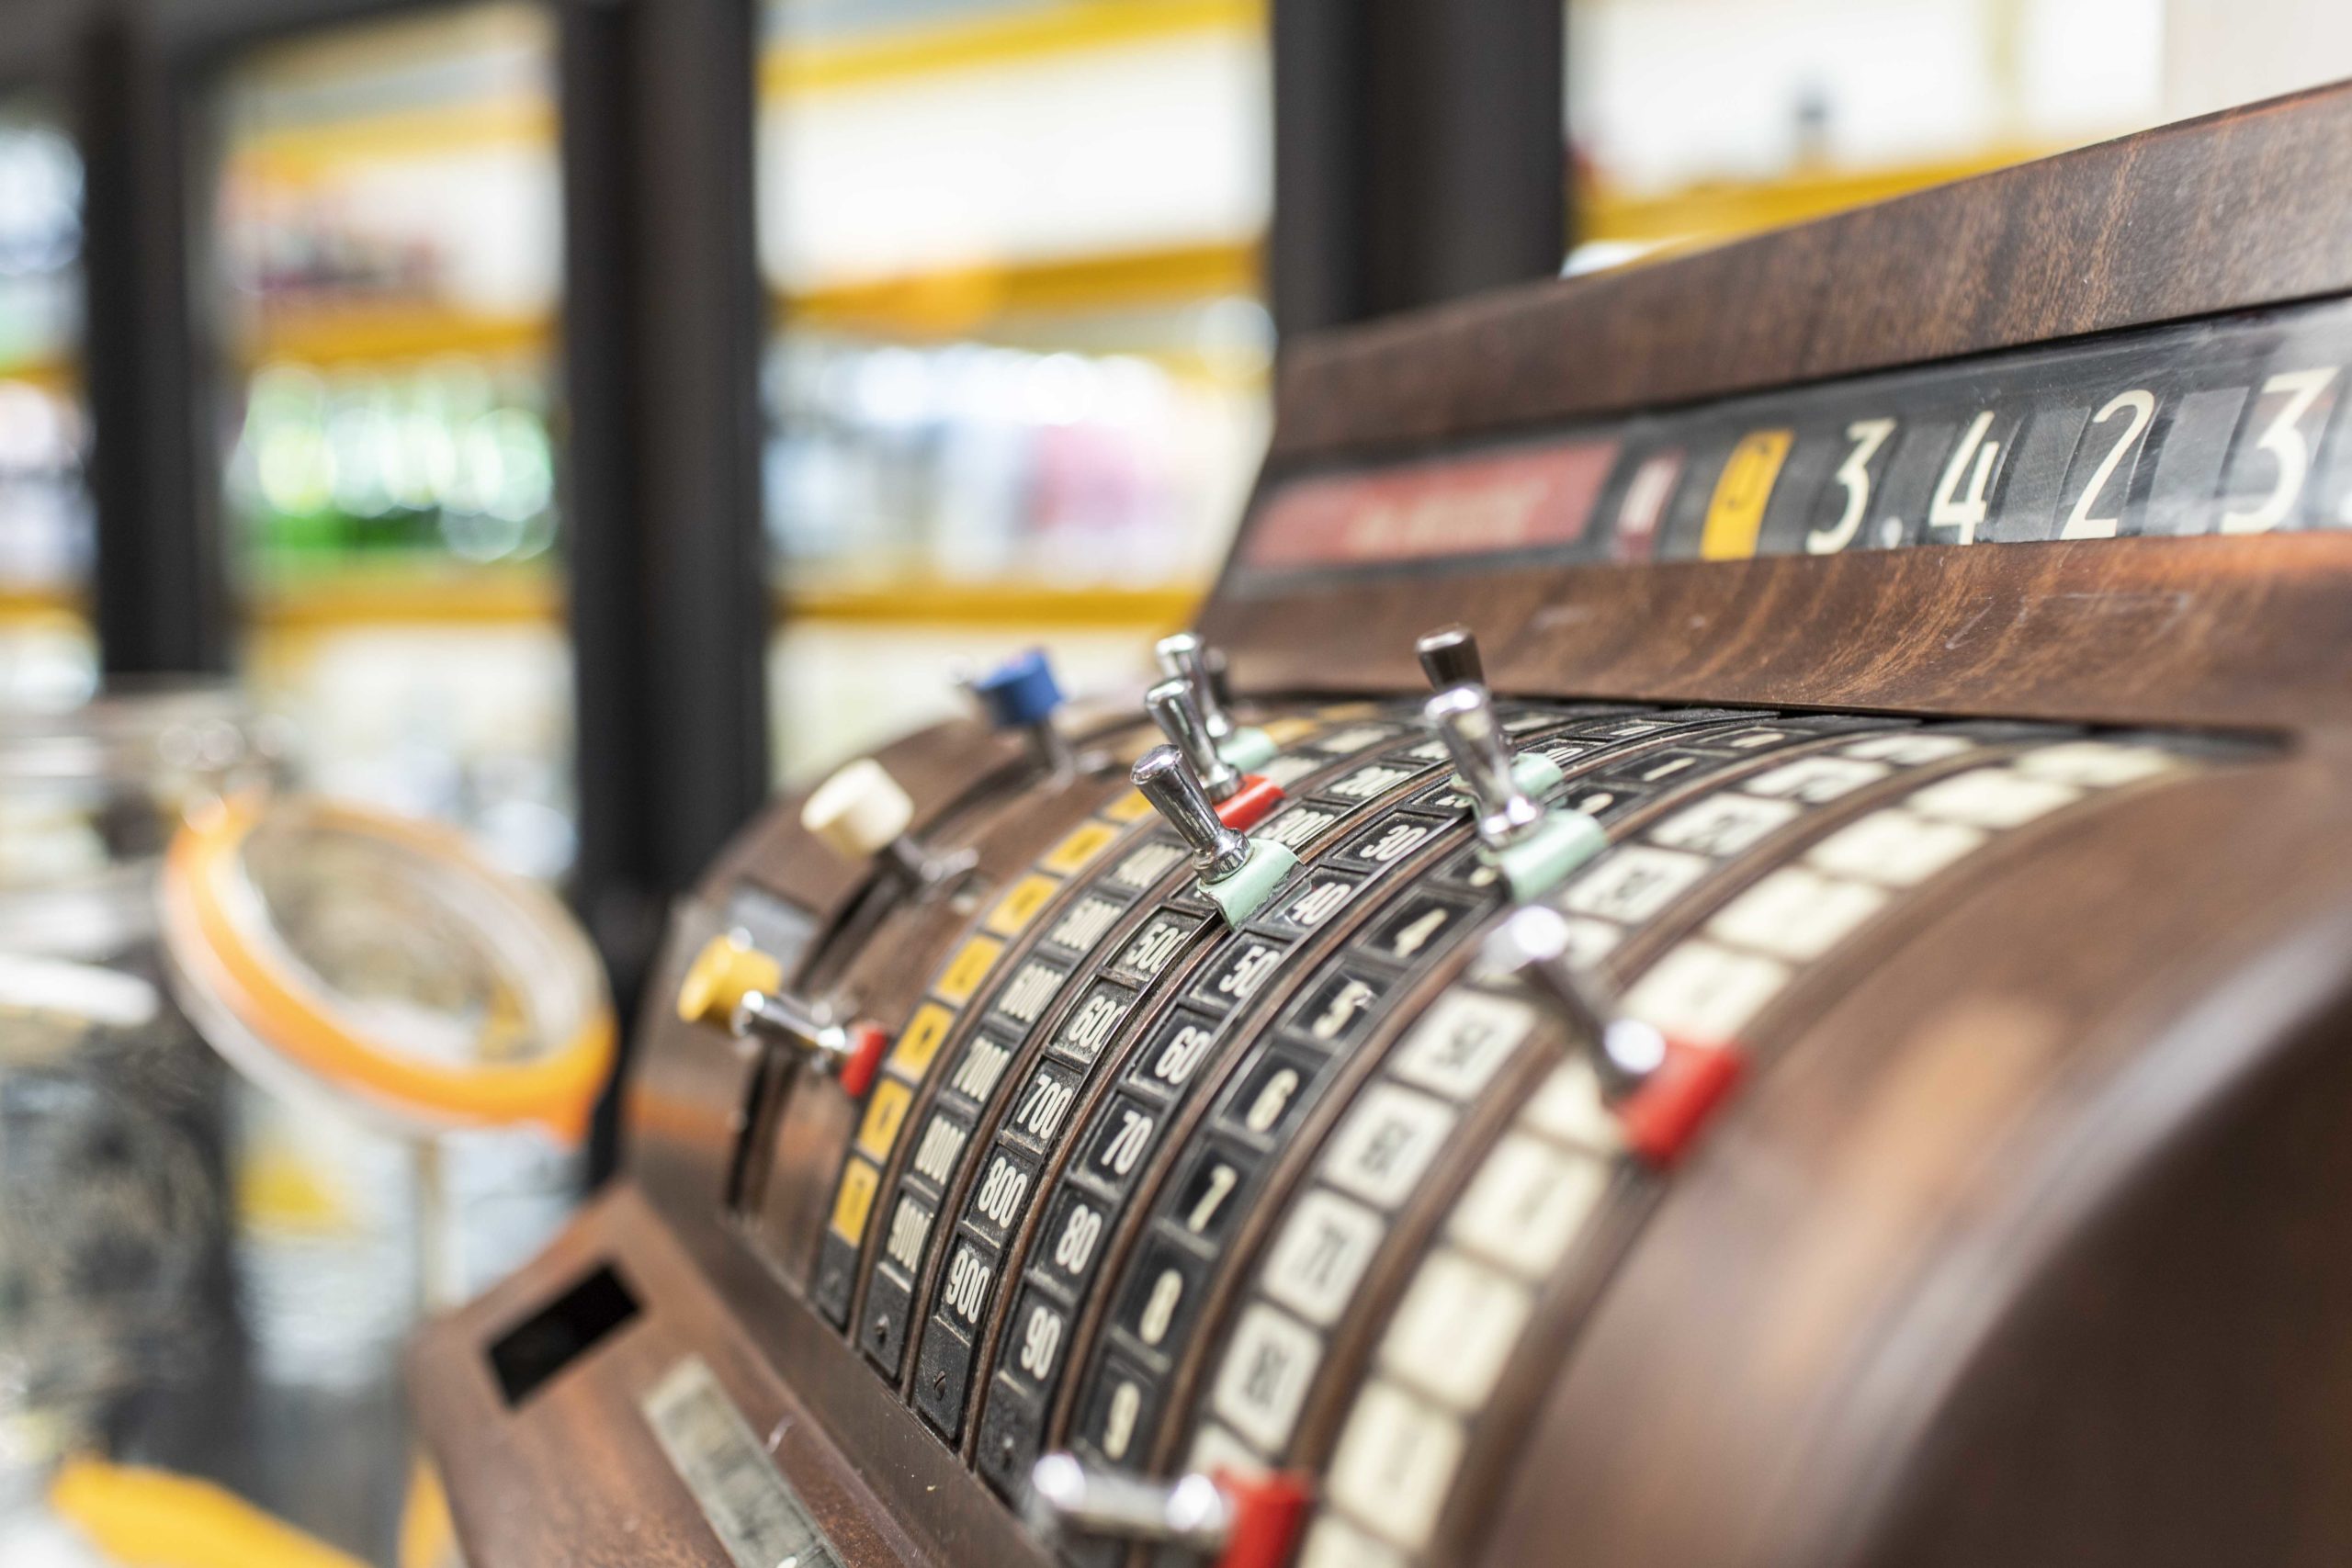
x: 1729, y: 943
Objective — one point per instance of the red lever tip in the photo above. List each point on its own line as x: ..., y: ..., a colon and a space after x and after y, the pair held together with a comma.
x: 1268, y: 1510
x: 1661, y: 1118
x: 866, y: 1044
x: 1243, y: 809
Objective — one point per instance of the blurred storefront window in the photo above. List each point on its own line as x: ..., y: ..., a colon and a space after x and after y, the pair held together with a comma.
x: 386, y: 254
x: 1018, y: 384
x: 47, y: 656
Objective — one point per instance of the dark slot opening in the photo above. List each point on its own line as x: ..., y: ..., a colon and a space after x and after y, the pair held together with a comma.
x: 542, y: 1345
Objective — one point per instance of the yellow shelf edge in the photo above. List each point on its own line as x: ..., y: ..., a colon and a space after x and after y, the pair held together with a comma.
x: 361, y: 332
x: 1045, y: 607
x: 1011, y: 38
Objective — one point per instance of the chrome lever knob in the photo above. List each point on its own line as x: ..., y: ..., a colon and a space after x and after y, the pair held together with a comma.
x: 1184, y: 657
x: 1174, y: 790
x: 1450, y: 658
x: 1463, y: 718
x: 1173, y: 707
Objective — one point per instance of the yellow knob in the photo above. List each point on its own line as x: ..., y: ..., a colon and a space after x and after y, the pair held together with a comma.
x: 721, y: 973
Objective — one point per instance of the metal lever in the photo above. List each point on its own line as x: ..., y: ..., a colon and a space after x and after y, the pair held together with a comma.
x: 733, y: 985
x: 1533, y: 848
x: 1449, y: 658
x: 1229, y: 1519
x: 1236, y: 873
x: 1661, y: 1089
x: 1464, y: 719
x: 1184, y: 657
x: 1175, y: 708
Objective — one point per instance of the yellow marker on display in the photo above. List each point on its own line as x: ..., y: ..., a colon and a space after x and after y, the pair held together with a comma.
x: 854, y: 1203
x: 1289, y: 729
x: 886, y: 1112
x: 920, y: 1041
x: 1019, y: 905
x: 149, y: 1518
x: 1088, y: 840
x: 967, y: 969
x: 1735, y: 513
x: 1130, y: 808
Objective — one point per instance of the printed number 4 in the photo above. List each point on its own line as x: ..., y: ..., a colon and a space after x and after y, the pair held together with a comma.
x: 2284, y: 440
x: 1972, y: 464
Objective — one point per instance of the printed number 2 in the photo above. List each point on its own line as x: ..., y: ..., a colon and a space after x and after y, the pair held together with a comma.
x: 1868, y: 436
x: 2284, y: 440
x: 1972, y: 464
x: 2080, y: 523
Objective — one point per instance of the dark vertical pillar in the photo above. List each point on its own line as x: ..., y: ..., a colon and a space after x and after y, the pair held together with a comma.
x: 661, y: 335
x: 161, y: 593
x: 1420, y: 153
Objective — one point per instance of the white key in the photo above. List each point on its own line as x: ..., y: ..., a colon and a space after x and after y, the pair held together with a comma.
x: 1816, y: 780
x: 1217, y: 1448
x: 1455, y: 1330
x: 1381, y: 1150
x: 1723, y: 824
x: 2095, y: 764
x: 1265, y: 1376
x: 1907, y: 747
x: 1992, y: 798
x: 1334, y: 1543
x: 1326, y: 1245
x: 1287, y: 770
x: 1528, y: 1204
x: 1292, y: 828
x: 1633, y: 882
x: 1341, y: 741
x: 1703, y: 993
x: 1894, y: 848
x: 1461, y: 1043
x: 1567, y: 1107
x: 1796, y: 914
x: 1394, y: 1463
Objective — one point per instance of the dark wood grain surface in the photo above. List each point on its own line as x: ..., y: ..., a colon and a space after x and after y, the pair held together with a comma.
x: 2209, y: 215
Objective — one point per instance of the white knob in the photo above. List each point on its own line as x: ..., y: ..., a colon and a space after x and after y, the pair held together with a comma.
x: 859, y: 812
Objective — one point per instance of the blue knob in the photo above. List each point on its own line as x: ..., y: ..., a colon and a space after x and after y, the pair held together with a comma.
x: 1020, y: 692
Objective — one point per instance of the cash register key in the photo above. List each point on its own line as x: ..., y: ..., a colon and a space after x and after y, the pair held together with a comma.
x: 862, y: 814
x: 1663, y: 1090
x: 1236, y: 873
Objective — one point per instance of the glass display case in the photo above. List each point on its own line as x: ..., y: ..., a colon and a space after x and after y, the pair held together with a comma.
x: 46, y: 655
x: 1018, y: 372
x: 384, y: 267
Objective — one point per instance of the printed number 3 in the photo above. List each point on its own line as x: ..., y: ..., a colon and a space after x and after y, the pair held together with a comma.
x: 1868, y: 436
x: 2283, y: 439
